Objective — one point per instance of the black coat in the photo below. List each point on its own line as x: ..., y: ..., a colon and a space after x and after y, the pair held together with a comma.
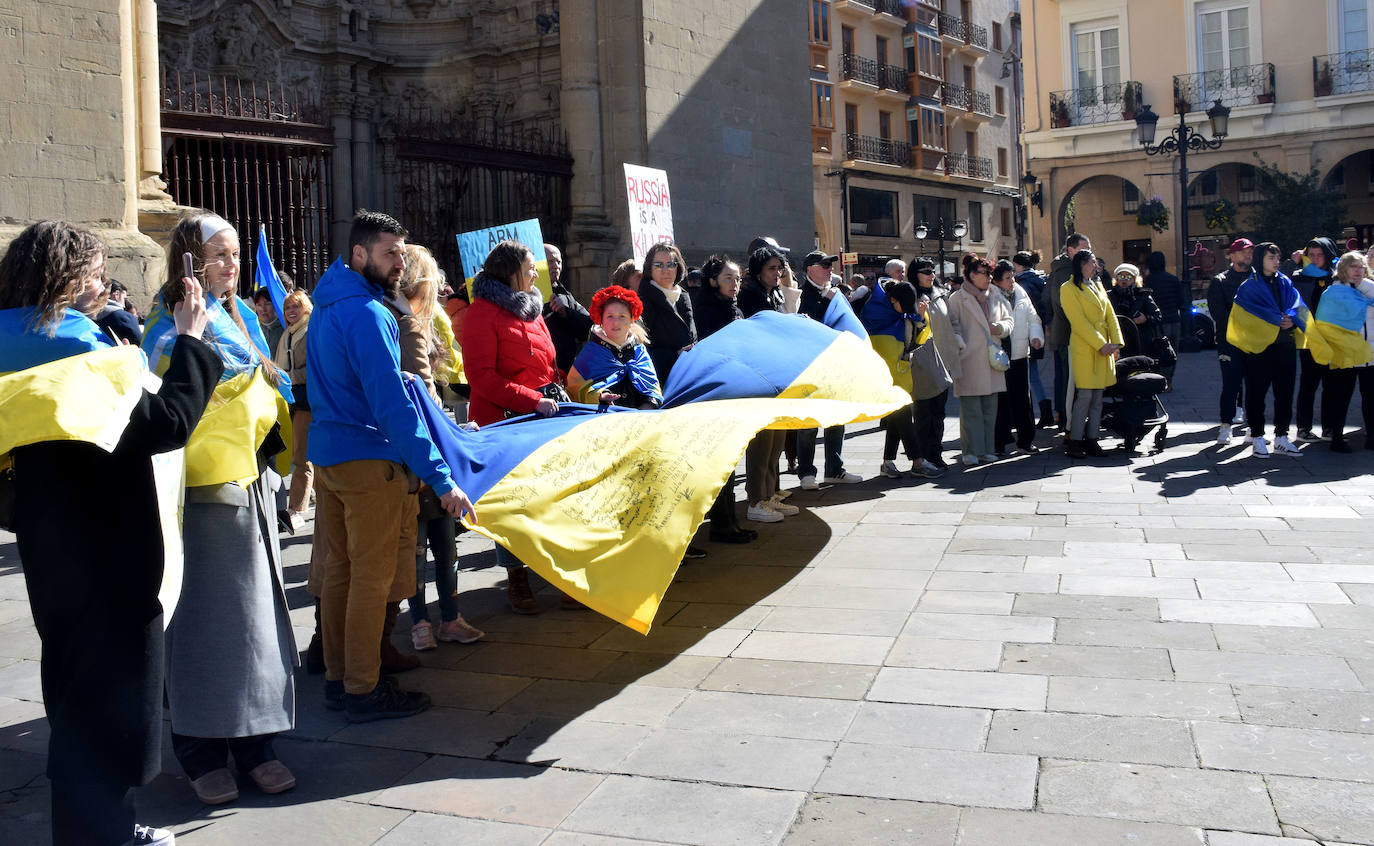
x: 812, y: 302
x: 670, y: 327
x: 93, y: 566
x: 714, y: 312
x: 1170, y: 294
x: 754, y: 298
x: 568, y: 330
x: 1221, y: 295
x: 1127, y: 303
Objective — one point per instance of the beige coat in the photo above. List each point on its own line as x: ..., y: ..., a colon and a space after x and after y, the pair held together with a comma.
x: 976, y: 377
x: 946, y: 341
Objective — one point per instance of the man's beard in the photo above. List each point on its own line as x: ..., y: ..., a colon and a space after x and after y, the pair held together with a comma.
x: 382, y: 280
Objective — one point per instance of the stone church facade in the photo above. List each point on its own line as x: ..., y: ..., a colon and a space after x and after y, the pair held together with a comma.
x: 451, y: 114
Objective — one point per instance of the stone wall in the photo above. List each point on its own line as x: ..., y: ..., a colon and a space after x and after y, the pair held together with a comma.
x: 66, y: 121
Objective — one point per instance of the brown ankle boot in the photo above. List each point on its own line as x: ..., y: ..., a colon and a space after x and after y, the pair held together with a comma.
x: 393, y: 661
x: 518, y: 591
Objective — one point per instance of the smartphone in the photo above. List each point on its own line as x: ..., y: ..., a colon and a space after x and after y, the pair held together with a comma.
x: 188, y: 266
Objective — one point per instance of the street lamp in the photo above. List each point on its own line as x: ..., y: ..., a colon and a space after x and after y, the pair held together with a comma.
x: 957, y: 232
x: 1037, y: 197
x: 1181, y: 140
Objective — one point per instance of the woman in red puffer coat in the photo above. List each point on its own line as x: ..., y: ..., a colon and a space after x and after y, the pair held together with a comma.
x: 509, y: 359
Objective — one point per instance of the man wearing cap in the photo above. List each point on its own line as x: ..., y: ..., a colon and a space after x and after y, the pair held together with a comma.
x: 1221, y: 294
x: 770, y: 242
x: 815, y: 299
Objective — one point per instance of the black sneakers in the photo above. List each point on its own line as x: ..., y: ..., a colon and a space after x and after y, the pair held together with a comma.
x: 386, y: 702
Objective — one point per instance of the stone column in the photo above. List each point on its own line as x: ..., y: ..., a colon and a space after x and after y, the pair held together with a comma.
x: 592, y: 237
x: 363, y: 194
x: 341, y: 115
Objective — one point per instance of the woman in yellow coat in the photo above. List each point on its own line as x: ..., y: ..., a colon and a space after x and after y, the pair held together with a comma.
x: 1094, y: 340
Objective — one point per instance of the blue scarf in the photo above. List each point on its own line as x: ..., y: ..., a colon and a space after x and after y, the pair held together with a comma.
x: 221, y: 333
x: 603, y: 371
x: 22, y: 346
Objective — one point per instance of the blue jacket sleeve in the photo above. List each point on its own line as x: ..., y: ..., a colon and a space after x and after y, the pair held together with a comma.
x: 374, y: 352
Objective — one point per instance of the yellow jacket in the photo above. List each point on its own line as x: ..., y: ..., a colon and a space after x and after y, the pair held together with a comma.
x: 452, y: 373
x: 1092, y: 325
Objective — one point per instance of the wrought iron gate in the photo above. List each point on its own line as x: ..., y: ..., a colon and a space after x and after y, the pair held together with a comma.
x: 258, y: 157
x: 453, y: 177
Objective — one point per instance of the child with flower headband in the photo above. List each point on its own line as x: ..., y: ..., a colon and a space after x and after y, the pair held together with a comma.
x: 614, y: 364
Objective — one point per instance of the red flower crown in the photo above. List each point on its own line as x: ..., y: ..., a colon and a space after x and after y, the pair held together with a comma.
x: 614, y: 293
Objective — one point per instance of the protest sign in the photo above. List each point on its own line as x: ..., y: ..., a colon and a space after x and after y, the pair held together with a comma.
x: 473, y: 248
x: 651, y: 208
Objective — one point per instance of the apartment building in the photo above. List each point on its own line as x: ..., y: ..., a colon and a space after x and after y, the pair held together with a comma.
x: 914, y: 121
x: 1298, y: 78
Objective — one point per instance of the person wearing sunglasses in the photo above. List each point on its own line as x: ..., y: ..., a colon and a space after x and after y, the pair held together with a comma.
x: 667, y: 308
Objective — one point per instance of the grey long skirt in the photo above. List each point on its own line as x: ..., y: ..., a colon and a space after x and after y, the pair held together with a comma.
x: 230, y: 648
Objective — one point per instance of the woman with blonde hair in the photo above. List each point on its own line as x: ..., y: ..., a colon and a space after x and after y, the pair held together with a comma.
x: 290, y: 357
x: 1353, y: 271
x: 230, y: 649
x: 425, y: 353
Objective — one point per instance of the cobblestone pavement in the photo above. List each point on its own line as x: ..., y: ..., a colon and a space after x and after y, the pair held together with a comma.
x: 1170, y: 649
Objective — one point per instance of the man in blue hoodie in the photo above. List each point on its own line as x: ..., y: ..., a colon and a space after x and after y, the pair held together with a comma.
x: 368, y: 445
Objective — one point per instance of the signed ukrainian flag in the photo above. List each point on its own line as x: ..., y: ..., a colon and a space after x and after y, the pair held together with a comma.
x: 1336, y: 336
x: 1255, y: 317
x: 603, y: 505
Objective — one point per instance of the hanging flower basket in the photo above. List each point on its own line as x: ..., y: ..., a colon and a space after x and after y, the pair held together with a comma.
x: 1220, y: 215
x: 1153, y: 213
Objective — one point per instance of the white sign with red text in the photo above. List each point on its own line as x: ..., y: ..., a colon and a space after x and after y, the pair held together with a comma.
x: 651, y: 208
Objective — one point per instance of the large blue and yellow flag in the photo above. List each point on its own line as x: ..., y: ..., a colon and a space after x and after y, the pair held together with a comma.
x: 1335, y: 336
x: 603, y: 505
x: 1257, y: 313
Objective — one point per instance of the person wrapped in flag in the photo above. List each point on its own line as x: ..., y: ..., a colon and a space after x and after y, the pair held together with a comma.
x: 1268, y: 322
x: 1345, y: 320
x: 230, y: 652
x: 895, y: 321
x: 80, y: 410
x: 615, y: 361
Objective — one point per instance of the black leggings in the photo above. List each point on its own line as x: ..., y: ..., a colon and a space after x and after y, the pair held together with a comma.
x: 1275, y: 368
x: 900, y: 427
x: 1232, y: 362
x: 930, y: 426
x: 1014, y: 408
x: 1311, y: 378
x: 201, y: 755
x: 1338, y: 390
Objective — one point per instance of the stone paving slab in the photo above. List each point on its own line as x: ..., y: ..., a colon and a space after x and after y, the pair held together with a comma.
x: 1163, y: 650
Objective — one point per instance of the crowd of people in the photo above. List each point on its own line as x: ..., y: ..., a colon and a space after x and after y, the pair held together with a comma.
x: 385, y: 501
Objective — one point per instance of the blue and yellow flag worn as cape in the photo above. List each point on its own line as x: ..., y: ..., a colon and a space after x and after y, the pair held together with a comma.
x: 597, y: 366
x: 79, y: 385
x: 1336, y: 334
x: 1255, y: 317
x: 887, y: 333
x: 223, y: 448
x: 603, y: 505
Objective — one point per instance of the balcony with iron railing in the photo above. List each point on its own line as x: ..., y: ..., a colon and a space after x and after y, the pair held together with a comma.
x: 889, y: 7
x: 871, y: 72
x: 957, y: 29
x: 1100, y: 104
x: 1247, y: 85
x: 973, y: 167
x: 869, y: 148
x: 967, y: 99
x: 1343, y: 73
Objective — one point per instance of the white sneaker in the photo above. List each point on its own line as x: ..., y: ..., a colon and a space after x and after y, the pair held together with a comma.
x: 781, y: 495
x: 1247, y: 440
x: 845, y: 478
x: 987, y: 459
x: 809, y: 483
x: 762, y: 512
x: 146, y: 835
x: 1224, y: 435
x: 970, y: 460
x: 1240, y: 415
x: 1259, y: 448
x: 422, y: 636
x: 1283, y: 446
x: 889, y: 469
x: 783, y: 508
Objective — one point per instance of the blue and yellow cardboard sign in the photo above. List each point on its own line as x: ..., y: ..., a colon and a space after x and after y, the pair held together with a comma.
x: 473, y: 248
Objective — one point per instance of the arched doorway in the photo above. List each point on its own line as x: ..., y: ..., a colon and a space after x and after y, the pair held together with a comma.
x: 1221, y: 200
x: 1104, y: 208
x: 1352, y: 181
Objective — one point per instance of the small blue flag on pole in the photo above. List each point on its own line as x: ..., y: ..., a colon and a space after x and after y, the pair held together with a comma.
x: 265, y: 276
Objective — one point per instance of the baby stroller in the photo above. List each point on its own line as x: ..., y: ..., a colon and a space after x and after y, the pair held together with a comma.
x: 1131, y: 407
